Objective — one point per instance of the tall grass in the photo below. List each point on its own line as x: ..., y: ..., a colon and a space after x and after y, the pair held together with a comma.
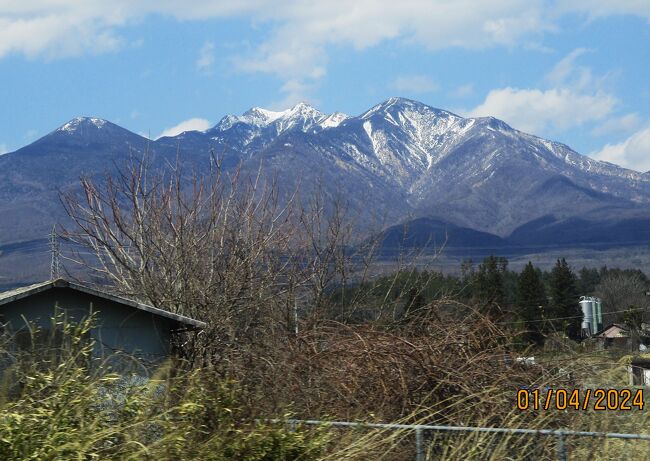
x: 56, y: 403
x: 60, y: 406
x: 593, y: 370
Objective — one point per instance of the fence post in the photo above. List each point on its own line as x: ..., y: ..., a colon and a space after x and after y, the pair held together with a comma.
x: 419, y: 445
x: 561, y: 447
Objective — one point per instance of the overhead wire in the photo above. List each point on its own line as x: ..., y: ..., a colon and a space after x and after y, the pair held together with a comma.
x: 642, y: 309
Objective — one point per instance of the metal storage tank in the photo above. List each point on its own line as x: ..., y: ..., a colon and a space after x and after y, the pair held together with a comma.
x: 598, y: 315
x: 588, y: 321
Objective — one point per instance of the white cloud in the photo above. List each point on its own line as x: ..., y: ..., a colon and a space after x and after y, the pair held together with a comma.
x: 301, y: 31
x: 538, y: 112
x: 415, y: 84
x: 618, y: 125
x: 297, y: 48
x: 206, y: 57
x: 575, y: 98
x: 58, y: 34
x: 632, y: 153
x: 63, y: 28
x: 567, y: 70
x: 3, y: 149
x: 193, y: 124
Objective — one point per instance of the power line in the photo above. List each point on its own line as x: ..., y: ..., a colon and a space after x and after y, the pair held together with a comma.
x: 642, y: 309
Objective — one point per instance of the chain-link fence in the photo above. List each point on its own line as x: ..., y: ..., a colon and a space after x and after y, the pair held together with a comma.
x: 420, y: 429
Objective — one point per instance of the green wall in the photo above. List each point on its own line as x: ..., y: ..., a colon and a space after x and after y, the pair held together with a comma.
x: 120, y: 328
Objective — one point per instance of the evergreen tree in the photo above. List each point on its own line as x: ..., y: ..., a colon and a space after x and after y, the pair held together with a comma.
x: 564, y: 294
x: 490, y: 288
x: 531, y: 302
x: 587, y: 281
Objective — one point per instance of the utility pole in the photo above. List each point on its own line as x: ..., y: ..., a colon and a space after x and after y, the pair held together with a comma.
x: 55, y: 251
x: 295, y: 317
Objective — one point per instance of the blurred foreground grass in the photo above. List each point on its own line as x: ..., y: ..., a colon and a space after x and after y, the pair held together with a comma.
x: 56, y: 405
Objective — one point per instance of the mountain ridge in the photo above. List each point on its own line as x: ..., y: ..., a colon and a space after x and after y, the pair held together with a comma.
x: 401, y: 159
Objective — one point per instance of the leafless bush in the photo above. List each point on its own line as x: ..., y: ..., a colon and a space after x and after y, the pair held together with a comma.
x: 438, y: 369
x: 619, y: 292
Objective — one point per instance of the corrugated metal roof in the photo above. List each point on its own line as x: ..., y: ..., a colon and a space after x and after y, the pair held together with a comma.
x: 7, y: 296
x: 23, y: 292
x: 613, y: 331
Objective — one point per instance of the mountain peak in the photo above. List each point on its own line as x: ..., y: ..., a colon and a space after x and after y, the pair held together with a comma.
x: 402, y: 101
x: 302, y: 114
x: 84, y: 130
x: 302, y: 105
x: 82, y: 123
x: 302, y: 110
x: 260, y: 116
x: 399, y: 104
x: 493, y: 123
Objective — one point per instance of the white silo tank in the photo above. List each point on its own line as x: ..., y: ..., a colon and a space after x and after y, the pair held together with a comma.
x: 587, y: 307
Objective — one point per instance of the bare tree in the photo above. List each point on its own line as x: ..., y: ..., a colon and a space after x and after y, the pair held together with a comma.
x: 222, y: 247
x: 227, y: 249
x: 211, y: 246
x: 621, y: 291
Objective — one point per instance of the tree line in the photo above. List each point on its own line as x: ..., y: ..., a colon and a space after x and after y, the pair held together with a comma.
x: 533, y: 300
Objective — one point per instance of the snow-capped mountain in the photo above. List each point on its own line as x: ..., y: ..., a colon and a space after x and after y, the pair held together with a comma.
x: 82, y: 132
x: 258, y: 127
x: 78, y: 124
x: 301, y: 116
x: 476, y: 172
x: 399, y: 160
x: 407, y: 142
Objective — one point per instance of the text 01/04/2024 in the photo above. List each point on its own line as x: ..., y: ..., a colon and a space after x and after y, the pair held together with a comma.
x: 580, y: 399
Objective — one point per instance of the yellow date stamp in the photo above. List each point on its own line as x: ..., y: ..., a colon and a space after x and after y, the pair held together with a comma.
x: 580, y: 399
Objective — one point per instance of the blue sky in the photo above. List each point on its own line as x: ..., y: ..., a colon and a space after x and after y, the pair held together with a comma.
x: 576, y: 71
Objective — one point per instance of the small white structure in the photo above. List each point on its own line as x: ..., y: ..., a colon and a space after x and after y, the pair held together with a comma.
x: 639, y: 371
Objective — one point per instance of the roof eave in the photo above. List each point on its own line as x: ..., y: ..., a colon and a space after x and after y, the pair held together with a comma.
x: 61, y: 283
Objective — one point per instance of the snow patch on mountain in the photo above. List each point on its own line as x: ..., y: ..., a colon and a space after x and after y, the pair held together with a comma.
x: 411, y: 157
x: 333, y: 120
x: 77, y: 122
x: 261, y: 117
x: 414, y: 147
x: 302, y: 116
